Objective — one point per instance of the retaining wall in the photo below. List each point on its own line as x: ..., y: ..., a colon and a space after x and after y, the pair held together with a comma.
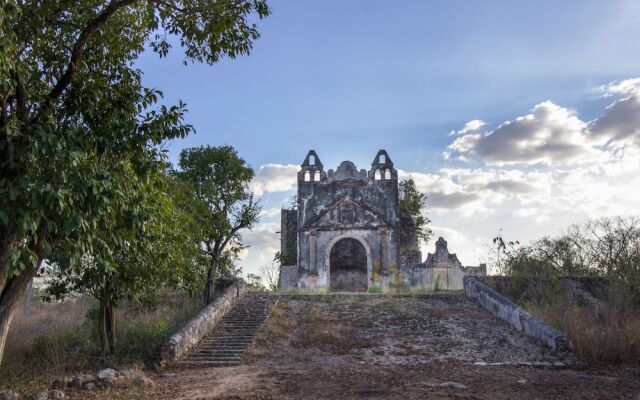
x: 515, y: 316
x: 188, y: 337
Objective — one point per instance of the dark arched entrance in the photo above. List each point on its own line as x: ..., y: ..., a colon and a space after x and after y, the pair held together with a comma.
x: 348, y: 266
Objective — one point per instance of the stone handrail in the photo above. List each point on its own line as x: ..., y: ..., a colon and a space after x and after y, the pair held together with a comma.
x: 516, y: 316
x: 194, y: 330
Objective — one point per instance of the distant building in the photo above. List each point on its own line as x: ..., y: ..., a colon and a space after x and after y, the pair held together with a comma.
x: 349, y: 233
x: 442, y: 270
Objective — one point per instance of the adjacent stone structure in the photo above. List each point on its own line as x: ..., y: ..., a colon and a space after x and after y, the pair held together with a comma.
x: 348, y: 232
x: 441, y: 270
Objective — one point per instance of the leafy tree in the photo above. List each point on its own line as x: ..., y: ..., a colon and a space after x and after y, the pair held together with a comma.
x: 412, y: 200
x: 144, y: 246
x: 219, y: 179
x: 255, y: 282
x: 70, y: 97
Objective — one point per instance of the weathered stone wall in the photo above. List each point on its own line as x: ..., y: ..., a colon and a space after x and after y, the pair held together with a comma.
x: 348, y: 203
x: 409, y: 247
x: 380, y: 272
x: 480, y: 270
x: 188, y: 337
x: 515, y: 316
x: 591, y: 291
x: 288, y: 277
x: 416, y: 275
x: 289, y: 236
x: 441, y: 270
x: 444, y: 278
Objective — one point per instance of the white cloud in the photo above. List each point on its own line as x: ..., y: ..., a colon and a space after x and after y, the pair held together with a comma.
x: 470, y: 127
x: 627, y: 86
x: 549, y: 134
x: 263, y: 241
x: 554, y: 135
x: 270, y: 213
x: 620, y: 123
x: 274, y: 178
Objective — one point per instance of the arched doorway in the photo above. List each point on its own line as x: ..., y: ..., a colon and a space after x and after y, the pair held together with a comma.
x: 348, y: 266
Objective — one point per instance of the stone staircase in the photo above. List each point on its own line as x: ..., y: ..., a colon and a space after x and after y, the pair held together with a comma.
x: 228, y: 341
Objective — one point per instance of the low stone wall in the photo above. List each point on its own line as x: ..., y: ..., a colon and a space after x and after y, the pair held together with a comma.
x: 515, y: 316
x: 188, y: 337
x: 589, y: 291
x: 288, y: 277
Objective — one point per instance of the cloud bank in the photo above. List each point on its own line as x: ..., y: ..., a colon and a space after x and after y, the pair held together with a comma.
x: 532, y: 175
x: 555, y: 135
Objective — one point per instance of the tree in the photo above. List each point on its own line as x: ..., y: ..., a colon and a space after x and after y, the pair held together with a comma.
x: 607, y: 246
x: 219, y: 179
x: 137, y: 249
x: 270, y: 274
x: 412, y: 200
x: 255, y: 282
x: 70, y: 97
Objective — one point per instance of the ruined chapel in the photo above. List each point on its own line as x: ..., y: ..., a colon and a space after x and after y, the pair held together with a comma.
x: 347, y: 232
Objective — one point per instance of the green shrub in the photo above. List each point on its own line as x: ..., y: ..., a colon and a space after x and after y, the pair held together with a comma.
x: 438, y: 284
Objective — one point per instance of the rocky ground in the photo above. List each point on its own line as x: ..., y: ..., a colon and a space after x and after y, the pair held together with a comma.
x: 364, y: 346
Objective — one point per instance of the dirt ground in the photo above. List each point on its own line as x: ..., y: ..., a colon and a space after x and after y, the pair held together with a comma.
x: 416, y: 347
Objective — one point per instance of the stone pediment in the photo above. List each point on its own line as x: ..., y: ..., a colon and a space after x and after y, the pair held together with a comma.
x: 347, y: 213
x: 347, y: 171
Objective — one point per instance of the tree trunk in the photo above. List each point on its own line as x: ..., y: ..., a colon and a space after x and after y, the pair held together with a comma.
x: 209, y: 288
x: 10, y: 295
x: 111, y: 329
x: 102, y: 330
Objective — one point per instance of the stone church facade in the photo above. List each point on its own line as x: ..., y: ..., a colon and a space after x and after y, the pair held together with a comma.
x: 347, y: 231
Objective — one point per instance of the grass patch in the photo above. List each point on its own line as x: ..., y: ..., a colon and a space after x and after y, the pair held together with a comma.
x: 432, y: 311
x: 319, y: 330
x: 597, y: 339
x: 59, y: 339
x: 277, y: 327
x: 293, y: 292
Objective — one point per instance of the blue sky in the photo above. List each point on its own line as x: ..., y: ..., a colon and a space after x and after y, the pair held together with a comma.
x: 347, y: 78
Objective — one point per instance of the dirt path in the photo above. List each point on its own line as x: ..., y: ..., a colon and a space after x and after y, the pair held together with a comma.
x: 436, y: 346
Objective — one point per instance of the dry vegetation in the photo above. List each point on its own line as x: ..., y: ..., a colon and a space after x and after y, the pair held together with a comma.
x: 325, y: 332
x: 59, y: 338
x: 598, y: 338
x: 607, y: 249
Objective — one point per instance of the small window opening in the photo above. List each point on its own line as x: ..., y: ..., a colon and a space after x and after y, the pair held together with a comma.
x: 382, y: 159
x: 307, y: 176
x: 376, y: 175
x: 387, y: 174
x: 316, y: 176
x: 312, y: 160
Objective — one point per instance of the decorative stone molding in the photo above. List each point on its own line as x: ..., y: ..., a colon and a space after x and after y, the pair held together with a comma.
x: 188, y: 337
x: 515, y: 316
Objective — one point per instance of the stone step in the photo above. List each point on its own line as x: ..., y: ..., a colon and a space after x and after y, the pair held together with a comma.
x: 210, y: 363
x: 228, y: 341
x: 219, y: 357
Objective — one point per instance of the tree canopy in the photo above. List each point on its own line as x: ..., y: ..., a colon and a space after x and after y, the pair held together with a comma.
x: 412, y: 200
x: 71, y: 101
x: 219, y: 182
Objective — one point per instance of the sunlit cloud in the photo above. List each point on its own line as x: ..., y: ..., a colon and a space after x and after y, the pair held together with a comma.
x: 274, y: 178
